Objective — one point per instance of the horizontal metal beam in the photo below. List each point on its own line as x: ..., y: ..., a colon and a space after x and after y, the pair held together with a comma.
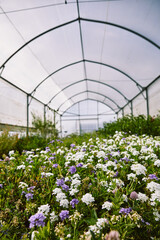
x: 79, y: 119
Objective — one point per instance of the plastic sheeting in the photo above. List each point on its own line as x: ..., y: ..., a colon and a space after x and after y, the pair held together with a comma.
x: 62, y: 52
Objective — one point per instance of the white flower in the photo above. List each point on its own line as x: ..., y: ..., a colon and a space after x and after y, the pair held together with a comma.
x: 53, y: 217
x: 131, y: 176
x: 88, y: 198
x: 110, y: 163
x: 11, y: 153
x: 56, y: 190
x: 125, y: 198
x: 157, y: 163
x: 155, y: 196
x: 75, y: 183
x: 64, y: 203
x: 119, y: 182
x: 33, y: 235
x: 22, y: 185
x: 73, y: 191
x: 101, y: 154
x: 21, y: 166
x: 101, y: 222
x: 107, y: 205
x: 104, y: 183
x: 139, y: 169
x: 76, y: 176
x: 60, y: 196
x: 142, y: 197
x: 47, y: 174
x: 153, y: 186
x: 44, y: 209
x: 68, y: 236
x: 157, y: 215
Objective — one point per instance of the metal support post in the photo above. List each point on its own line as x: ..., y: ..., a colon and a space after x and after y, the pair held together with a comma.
x: 122, y: 112
x: 79, y: 119
x: 131, y: 108
x: 27, y: 131
x: 44, y: 113
x: 97, y: 116
x: 147, y: 102
x: 61, y: 124
x: 54, y: 118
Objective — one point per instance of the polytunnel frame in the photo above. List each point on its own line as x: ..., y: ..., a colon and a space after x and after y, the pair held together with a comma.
x: 79, y: 115
x: 28, y: 104
x: 79, y: 19
x: 88, y: 91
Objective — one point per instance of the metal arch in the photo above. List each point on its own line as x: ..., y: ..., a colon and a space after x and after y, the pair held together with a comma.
x: 68, y: 65
x: 85, y: 92
x: 95, y: 93
x: 122, y: 27
x: 34, y: 38
x: 90, y: 61
x: 92, y: 99
x: 91, y: 80
x: 79, y: 19
x: 117, y: 69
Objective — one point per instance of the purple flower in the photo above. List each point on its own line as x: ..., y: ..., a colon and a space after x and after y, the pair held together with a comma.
x: 30, y: 189
x: 115, y: 175
x: 91, y: 146
x: 64, y: 214
x: 133, y: 195
x: 55, y: 165
x: 72, y: 169
x: 37, y: 220
x: 53, y: 154
x: 73, y: 202
x: 79, y: 165
x: 1, y: 185
x: 147, y: 223
x: 51, y: 158
x: 65, y: 187
x: 153, y: 176
x: 29, y: 196
x: 23, y: 192
x: 48, y: 149
x: 125, y: 211
x: 83, y: 150
x: 60, y: 182
x: 72, y: 145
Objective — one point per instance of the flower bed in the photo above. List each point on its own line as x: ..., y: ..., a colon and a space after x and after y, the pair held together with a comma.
x: 83, y: 191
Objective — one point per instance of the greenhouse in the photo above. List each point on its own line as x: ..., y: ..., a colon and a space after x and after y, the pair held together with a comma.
x: 80, y: 119
x: 79, y: 63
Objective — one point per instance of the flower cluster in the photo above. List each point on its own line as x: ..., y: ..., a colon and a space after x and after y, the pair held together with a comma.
x: 84, y: 189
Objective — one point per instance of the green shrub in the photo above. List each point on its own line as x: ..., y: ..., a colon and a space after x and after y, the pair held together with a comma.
x: 133, y: 125
x: 44, y: 128
x: 30, y: 142
x: 7, y: 143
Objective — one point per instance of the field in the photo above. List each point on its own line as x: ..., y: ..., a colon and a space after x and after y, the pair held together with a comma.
x: 82, y: 191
